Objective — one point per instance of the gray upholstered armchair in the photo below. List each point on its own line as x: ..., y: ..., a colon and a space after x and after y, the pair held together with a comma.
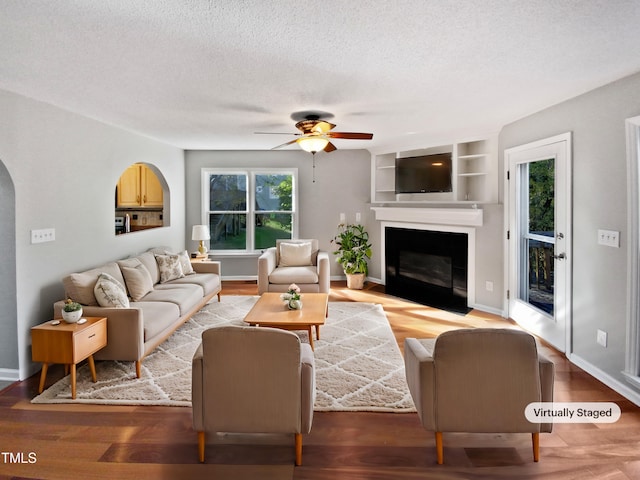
x: 478, y: 380
x: 294, y: 261
x: 252, y: 380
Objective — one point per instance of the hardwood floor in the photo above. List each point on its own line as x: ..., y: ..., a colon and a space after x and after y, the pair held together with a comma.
x: 89, y: 441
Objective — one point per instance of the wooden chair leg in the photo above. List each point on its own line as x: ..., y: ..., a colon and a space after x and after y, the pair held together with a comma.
x: 298, y: 449
x: 201, y: 445
x: 535, y: 438
x: 439, y: 448
x: 138, y: 368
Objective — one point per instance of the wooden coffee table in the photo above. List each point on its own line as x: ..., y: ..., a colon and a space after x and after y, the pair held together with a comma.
x: 270, y: 311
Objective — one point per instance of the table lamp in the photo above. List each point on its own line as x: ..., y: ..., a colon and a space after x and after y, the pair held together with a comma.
x: 201, y: 233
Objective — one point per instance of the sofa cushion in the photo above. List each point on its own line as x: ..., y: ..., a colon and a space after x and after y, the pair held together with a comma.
x: 157, y: 317
x: 209, y: 282
x: 137, y: 278
x: 295, y: 254
x: 110, y: 293
x: 186, y: 297
x: 148, y: 259
x: 170, y: 267
x: 288, y: 275
x: 187, y: 269
x: 79, y: 286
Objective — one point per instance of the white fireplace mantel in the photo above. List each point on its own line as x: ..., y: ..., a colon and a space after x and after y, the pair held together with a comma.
x: 468, y: 217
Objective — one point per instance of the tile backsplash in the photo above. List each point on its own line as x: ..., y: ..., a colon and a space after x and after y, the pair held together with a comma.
x: 142, y: 218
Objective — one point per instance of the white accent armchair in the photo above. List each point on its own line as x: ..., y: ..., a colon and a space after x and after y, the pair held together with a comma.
x: 294, y: 261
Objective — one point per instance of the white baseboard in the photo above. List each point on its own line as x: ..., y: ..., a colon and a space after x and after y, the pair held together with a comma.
x: 239, y: 278
x: 9, y: 374
x: 608, y: 380
x: 491, y: 310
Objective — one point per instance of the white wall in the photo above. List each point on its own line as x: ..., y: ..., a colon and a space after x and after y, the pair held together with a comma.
x: 64, y: 168
x: 597, y: 120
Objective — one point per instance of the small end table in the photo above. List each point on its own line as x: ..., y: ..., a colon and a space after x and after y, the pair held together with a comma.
x: 69, y: 344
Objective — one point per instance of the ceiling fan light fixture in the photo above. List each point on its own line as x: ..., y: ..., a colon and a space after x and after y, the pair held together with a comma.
x: 313, y: 143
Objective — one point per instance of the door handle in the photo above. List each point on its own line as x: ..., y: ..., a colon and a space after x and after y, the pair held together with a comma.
x: 560, y: 256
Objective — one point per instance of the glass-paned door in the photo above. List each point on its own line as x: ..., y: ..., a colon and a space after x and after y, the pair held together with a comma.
x: 539, y: 226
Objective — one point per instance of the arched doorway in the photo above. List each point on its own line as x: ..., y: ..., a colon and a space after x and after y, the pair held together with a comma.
x: 9, y: 362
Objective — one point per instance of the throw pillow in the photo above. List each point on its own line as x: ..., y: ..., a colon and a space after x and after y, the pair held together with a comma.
x: 295, y: 254
x: 170, y: 267
x: 137, y: 278
x: 187, y: 269
x: 110, y: 293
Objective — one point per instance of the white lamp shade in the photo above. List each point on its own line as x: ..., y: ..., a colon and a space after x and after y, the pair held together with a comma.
x: 200, y: 232
x: 313, y: 143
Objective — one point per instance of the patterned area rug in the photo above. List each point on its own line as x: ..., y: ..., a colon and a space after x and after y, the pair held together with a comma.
x: 359, y: 366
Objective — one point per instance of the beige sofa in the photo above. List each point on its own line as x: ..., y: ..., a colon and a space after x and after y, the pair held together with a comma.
x: 145, y: 299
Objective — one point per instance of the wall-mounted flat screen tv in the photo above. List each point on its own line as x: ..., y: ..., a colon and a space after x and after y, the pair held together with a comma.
x: 424, y: 174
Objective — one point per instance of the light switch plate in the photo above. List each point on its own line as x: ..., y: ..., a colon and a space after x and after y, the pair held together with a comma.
x: 609, y: 238
x: 43, y: 235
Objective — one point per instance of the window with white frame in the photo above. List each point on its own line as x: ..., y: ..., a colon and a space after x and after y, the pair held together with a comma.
x: 248, y: 209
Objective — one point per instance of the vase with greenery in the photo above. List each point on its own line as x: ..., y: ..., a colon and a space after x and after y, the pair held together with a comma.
x: 72, y: 311
x: 353, y: 251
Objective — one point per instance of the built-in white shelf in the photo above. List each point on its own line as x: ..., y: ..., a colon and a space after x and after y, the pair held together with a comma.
x: 474, y: 174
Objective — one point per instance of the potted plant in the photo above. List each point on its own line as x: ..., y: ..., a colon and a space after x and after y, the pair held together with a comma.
x: 353, y: 251
x: 72, y: 311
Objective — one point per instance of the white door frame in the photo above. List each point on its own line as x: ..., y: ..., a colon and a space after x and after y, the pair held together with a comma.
x: 632, y: 355
x: 564, y: 294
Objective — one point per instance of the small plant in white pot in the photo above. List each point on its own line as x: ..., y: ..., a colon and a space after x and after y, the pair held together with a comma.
x: 352, y: 253
x: 72, y: 311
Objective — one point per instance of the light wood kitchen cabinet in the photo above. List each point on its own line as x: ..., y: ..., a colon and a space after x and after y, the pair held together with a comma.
x: 139, y: 187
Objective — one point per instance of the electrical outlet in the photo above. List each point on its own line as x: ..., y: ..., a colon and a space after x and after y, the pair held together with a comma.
x: 358, y: 217
x: 609, y: 238
x: 488, y: 286
x: 342, y: 217
x: 601, y: 338
x: 43, y: 235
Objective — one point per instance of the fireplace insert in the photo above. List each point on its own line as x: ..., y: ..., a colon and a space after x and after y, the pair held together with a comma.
x: 428, y: 267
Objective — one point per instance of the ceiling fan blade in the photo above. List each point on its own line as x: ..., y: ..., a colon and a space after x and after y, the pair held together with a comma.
x: 350, y: 135
x: 285, y: 144
x: 330, y: 147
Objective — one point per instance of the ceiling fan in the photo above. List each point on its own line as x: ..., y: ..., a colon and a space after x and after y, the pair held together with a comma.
x: 316, y: 134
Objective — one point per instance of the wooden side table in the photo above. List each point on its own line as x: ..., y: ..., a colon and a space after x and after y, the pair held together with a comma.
x: 69, y: 344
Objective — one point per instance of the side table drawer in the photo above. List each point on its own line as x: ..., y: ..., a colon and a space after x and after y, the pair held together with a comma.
x: 89, y: 341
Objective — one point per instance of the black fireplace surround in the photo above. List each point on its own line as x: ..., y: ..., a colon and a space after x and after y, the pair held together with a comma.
x: 428, y: 267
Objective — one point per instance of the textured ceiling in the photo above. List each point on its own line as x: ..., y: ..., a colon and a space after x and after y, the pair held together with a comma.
x: 208, y: 74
